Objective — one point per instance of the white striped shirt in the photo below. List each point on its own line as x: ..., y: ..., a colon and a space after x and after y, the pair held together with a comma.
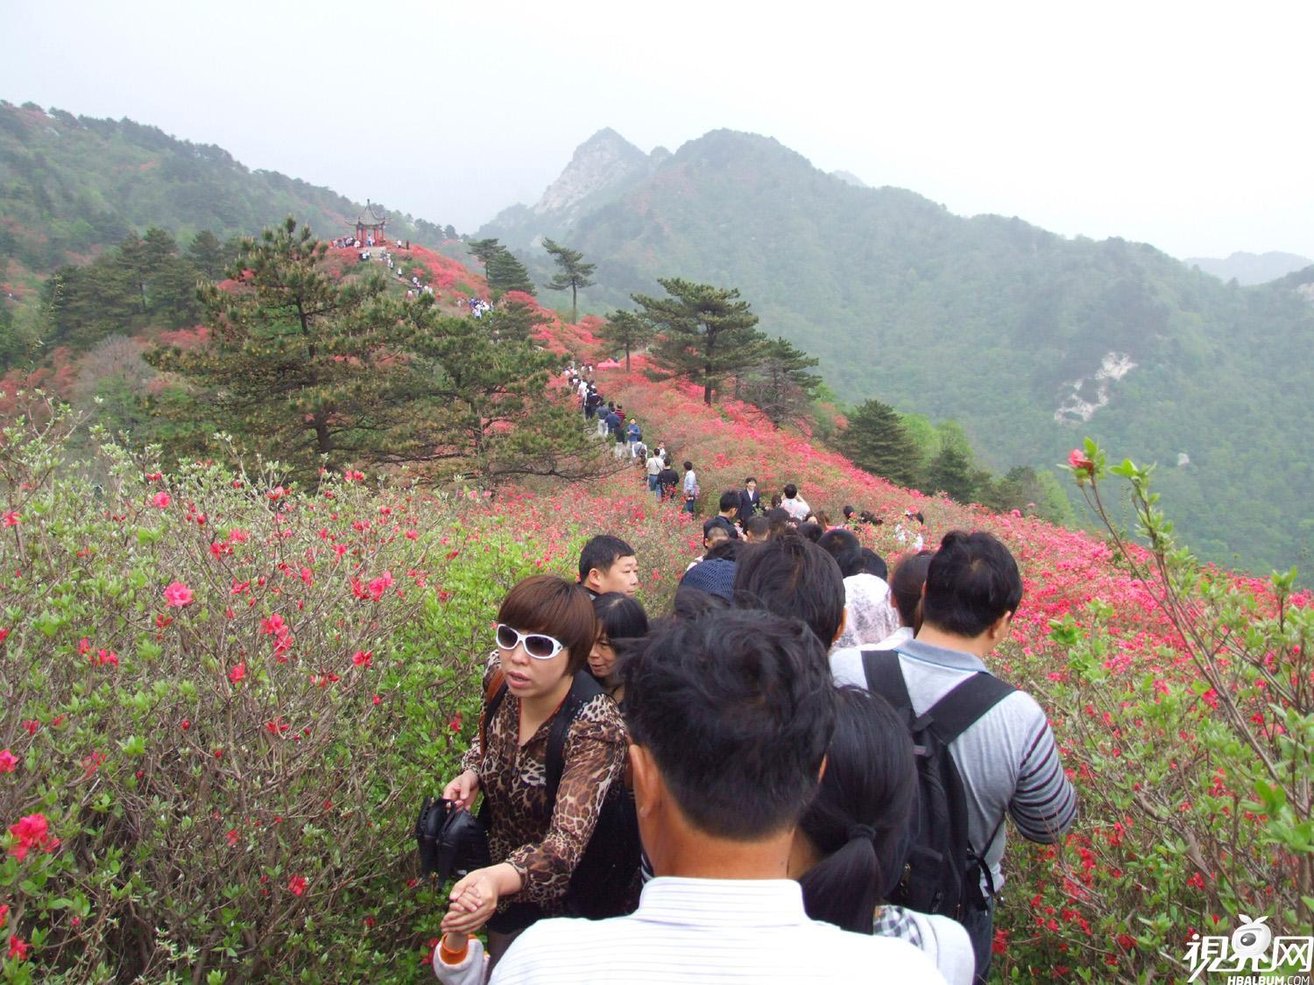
x: 1008, y: 760
x: 741, y: 931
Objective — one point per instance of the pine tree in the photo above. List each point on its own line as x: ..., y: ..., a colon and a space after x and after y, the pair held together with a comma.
x: 779, y: 383
x: 574, y: 275
x: 297, y: 360
x: 207, y: 254
x: 506, y: 273
x: 625, y: 330
x: 484, y: 250
x: 704, y: 333
x: 951, y: 472
x: 877, y: 441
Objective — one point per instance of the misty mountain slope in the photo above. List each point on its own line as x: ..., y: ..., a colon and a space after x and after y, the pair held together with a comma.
x: 1030, y: 340
x: 72, y: 185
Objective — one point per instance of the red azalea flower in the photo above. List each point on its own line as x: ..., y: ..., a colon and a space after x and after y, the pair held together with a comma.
x: 177, y: 595
x: 1078, y: 462
x: 162, y: 499
x: 237, y: 673
x: 18, y: 948
x: 297, y: 885
x: 12, y: 519
x: 8, y: 763
x: 362, y: 658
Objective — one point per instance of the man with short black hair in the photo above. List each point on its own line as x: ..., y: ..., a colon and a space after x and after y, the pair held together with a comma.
x: 791, y: 576
x: 750, y: 503
x: 607, y: 564
x: 794, y: 504
x: 730, y: 717
x: 1007, y: 759
x: 728, y: 506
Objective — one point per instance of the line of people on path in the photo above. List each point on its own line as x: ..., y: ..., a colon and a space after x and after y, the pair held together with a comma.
x: 779, y: 817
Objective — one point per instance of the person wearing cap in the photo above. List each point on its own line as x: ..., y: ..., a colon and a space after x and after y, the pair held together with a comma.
x: 713, y: 575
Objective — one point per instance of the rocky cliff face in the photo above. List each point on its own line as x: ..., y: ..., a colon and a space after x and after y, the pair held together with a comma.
x: 603, y: 161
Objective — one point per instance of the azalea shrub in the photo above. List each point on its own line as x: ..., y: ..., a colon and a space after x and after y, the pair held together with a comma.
x: 1190, y: 737
x: 224, y: 702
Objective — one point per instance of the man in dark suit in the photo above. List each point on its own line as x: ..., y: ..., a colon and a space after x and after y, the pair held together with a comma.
x: 749, y: 501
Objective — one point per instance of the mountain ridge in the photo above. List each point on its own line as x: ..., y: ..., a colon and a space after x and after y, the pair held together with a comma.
x: 989, y: 320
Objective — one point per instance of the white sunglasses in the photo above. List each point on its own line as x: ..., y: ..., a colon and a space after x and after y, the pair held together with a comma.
x: 540, y: 646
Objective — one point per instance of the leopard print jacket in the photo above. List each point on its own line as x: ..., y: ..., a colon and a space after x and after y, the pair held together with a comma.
x: 545, y: 848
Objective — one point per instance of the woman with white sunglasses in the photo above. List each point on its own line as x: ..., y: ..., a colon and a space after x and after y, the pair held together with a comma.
x: 545, y: 629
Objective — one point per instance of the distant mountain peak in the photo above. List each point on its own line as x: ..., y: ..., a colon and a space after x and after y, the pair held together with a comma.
x: 849, y: 178
x: 604, y: 160
x: 1251, y: 268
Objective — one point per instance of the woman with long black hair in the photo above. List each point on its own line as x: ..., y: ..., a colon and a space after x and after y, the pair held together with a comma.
x: 846, y: 848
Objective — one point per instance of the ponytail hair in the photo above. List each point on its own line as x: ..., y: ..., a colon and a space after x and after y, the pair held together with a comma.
x: 858, y: 821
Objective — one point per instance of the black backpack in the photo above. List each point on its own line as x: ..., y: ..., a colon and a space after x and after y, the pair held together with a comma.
x: 941, y: 870
x: 604, y: 882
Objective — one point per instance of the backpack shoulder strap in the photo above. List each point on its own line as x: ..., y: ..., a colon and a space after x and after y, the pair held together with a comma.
x: 960, y: 709
x: 494, y: 692
x: 884, y: 677
x: 582, y: 689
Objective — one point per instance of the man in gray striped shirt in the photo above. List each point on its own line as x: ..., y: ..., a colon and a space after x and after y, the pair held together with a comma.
x: 1008, y: 759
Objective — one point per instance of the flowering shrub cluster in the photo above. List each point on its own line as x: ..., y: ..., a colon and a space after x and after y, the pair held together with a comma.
x: 224, y: 700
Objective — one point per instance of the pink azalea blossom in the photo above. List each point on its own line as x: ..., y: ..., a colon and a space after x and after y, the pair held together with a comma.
x: 162, y: 499
x: 8, y: 761
x: 177, y: 595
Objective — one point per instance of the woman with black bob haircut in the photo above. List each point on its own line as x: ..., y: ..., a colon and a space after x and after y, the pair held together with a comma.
x: 848, y: 847
x: 622, y: 624
x: 545, y: 630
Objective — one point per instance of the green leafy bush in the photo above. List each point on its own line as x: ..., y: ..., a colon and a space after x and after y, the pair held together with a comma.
x: 223, y: 702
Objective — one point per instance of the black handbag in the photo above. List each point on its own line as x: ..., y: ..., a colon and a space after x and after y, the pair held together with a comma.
x: 451, y: 841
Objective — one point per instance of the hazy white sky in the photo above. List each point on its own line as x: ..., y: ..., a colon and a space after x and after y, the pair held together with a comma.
x: 1180, y: 124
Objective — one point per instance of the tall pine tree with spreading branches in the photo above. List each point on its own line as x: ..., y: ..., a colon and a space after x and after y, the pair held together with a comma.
x: 573, y: 276
x: 877, y: 441
x: 703, y: 333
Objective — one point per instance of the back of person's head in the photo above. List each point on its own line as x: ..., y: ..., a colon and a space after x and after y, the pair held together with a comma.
x: 791, y: 490
x: 845, y: 548
x: 970, y: 583
x: 778, y: 520
x: 715, y: 575
x: 810, y: 532
x: 551, y: 605
x: 857, y: 823
x: 714, y: 529
x: 602, y: 552
x: 729, y: 500
x: 822, y: 518
x: 691, y: 602
x: 791, y: 576
x: 726, y: 548
x: 906, y: 585
x: 688, y: 466
x: 874, y: 564
x: 775, y: 500
x: 757, y: 526
x: 736, y: 710
x: 620, y: 617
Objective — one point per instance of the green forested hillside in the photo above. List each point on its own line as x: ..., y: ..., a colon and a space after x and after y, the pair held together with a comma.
x: 71, y: 185
x: 991, y: 321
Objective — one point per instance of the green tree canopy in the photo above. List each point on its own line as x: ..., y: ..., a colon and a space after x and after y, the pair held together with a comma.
x: 779, y: 382
x: 311, y: 368
x: 625, y: 330
x: 574, y: 273
x: 506, y: 273
x: 484, y: 250
x: 877, y: 441
x: 703, y: 333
